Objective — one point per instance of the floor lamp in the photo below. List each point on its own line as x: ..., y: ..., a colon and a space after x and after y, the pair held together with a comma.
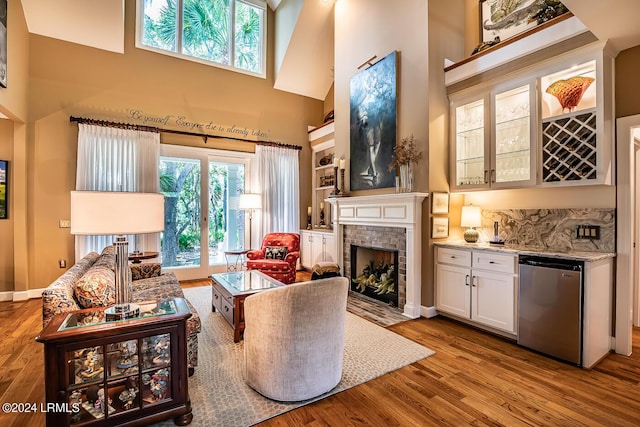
x: 99, y: 213
x: 250, y: 202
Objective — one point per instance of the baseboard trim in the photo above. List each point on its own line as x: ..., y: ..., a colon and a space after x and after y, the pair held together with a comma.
x: 428, y: 312
x: 21, y: 295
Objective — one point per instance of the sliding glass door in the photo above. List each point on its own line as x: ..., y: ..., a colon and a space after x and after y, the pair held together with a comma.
x: 202, y: 219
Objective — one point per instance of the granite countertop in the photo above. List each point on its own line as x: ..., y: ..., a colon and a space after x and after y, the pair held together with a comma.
x: 527, y: 250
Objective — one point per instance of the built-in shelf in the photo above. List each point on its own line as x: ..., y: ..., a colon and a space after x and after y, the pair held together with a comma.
x: 545, y: 35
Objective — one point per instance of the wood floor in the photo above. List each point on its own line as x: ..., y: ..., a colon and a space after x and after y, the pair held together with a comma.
x: 473, y: 379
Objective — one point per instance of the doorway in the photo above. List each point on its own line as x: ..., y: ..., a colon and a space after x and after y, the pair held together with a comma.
x: 626, y: 306
x: 202, y: 217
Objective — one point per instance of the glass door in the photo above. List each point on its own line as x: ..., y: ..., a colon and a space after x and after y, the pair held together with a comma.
x: 202, y: 219
x: 513, y: 158
x: 471, y: 144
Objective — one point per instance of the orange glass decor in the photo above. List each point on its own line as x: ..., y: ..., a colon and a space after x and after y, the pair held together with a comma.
x: 569, y: 92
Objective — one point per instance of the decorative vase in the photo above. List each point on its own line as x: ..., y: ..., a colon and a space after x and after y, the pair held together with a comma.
x: 406, y: 178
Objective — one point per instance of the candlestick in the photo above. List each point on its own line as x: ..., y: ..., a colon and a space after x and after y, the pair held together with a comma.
x: 342, y: 192
x: 335, y: 191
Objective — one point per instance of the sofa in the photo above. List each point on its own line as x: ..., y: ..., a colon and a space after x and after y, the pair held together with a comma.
x: 91, y: 283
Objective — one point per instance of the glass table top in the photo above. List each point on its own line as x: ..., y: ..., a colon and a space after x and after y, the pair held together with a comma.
x: 96, y: 317
x: 240, y: 282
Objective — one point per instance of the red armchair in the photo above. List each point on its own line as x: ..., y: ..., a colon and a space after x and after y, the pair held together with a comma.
x: 267, y: 259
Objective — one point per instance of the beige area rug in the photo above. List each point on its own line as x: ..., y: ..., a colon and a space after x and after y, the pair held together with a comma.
x: 220, y: 397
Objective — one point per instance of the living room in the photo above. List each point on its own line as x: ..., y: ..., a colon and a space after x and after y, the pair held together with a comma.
x: 50, y: 80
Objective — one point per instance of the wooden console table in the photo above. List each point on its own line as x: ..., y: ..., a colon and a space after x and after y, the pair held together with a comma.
x: 130, y: 371
x: 231, y: 289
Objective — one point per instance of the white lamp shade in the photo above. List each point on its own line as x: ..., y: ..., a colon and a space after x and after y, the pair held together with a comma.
x: 250, y: 201
x: 471, y: 216
x: 110, y: 212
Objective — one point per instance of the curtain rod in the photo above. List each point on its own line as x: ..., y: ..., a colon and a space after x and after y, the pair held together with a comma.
x: 178, y: 132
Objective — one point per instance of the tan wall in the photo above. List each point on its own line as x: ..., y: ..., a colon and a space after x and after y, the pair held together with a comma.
x: 67, y: 79
x: 627, y: 82
x: 13, y: 104
x: 6, y: 225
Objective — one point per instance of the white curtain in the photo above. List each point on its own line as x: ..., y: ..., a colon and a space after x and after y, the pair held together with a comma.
x: 279, y: 179
x: 112, y: 159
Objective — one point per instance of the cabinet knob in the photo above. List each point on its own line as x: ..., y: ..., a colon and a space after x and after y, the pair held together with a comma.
x: 492, y: 262
x: 226, y: 308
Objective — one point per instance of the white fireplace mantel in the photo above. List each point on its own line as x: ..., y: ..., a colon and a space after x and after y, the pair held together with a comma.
x: 387, y: 210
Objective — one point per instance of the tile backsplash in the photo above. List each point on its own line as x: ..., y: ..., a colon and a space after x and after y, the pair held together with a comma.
x: 553, y: 229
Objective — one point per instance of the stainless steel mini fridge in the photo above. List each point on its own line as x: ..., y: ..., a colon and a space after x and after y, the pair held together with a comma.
x: 550, y: 306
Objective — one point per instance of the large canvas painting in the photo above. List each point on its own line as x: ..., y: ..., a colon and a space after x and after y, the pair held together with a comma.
x: 3, y: 43
x: 372, y: 97
x: 4, y: 176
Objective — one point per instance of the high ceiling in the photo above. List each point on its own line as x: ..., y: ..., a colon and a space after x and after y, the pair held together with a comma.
x: 100, y: 24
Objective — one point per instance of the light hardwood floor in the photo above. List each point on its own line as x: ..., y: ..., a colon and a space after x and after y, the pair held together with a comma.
x: 473, y: 379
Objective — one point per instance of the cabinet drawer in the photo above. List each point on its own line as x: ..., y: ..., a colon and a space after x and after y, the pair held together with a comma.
x: 454, y: 257
x: 217, y: 299
x: 491, y: 261
x: 227, y: 310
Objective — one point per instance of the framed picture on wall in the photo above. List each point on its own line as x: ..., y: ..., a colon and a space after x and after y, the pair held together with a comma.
x: 439, y: 227
x: 506, y: 19
x: 440, y: 203
x: 4, y: 198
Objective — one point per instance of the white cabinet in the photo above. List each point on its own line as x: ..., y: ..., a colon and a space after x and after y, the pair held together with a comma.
x: 547, y: 124
x: 493, y: 140
x: 479, y: 286
x: 315, y: 247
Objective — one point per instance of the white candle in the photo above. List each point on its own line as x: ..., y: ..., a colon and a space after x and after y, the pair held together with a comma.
x: 342, y: 164
x: 321, y: 205
x: 309, y: 211
x: 335, y: 162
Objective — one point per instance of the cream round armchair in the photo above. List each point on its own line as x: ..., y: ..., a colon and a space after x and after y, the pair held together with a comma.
x: 294, y: 339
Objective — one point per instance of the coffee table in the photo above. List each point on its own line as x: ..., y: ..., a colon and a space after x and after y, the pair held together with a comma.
x: 230, y: 290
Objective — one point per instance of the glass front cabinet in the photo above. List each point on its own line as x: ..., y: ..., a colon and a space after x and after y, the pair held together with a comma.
x: 494, y: 138
x: 549, y: 124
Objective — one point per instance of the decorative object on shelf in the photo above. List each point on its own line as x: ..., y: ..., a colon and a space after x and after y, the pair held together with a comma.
x: 496, y: 238
x: 486, y: 45
x: 250, y: 202
x: 128, y: 395
x: 471, y: 217
x: 92, y: 365
x: 128, y: 355
x: 336, y: 191
x: 326, y: 160
x: 372, y: 95
x: 4, y: 189
x: 159, y: 384
x: 569, y: 92
x: 439, y: 203
x: 439, y: 227
x: 342, y: 168
x: 121, y: 213
x: 328, y: 117
x: 309, y: 227
x: 404, y: 155
x: 322, y: 223
x: 75, y: 402
x: 507, y: 18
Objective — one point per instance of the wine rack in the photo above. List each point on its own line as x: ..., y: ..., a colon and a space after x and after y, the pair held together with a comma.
x: 569, y: 149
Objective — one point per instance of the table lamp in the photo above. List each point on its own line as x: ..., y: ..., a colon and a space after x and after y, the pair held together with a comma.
x: 99, y: 213
x: 249, y: 202
x: 471, y: 217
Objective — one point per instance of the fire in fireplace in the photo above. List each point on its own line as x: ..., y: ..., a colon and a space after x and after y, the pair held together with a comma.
x: 374, y: 273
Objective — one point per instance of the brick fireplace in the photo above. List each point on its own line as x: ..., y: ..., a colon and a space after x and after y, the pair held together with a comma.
x: 391, y: 222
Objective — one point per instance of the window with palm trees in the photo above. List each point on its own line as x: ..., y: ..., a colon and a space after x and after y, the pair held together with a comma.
x: 230, y: 33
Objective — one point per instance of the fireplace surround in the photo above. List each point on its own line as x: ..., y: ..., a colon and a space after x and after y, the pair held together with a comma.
x: 390, y: 221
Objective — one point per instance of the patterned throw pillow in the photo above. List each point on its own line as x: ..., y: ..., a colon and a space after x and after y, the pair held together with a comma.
x: 275, y: 252
x: 96, y: 288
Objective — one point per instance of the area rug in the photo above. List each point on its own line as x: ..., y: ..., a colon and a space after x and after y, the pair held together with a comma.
x: 220, y: 397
